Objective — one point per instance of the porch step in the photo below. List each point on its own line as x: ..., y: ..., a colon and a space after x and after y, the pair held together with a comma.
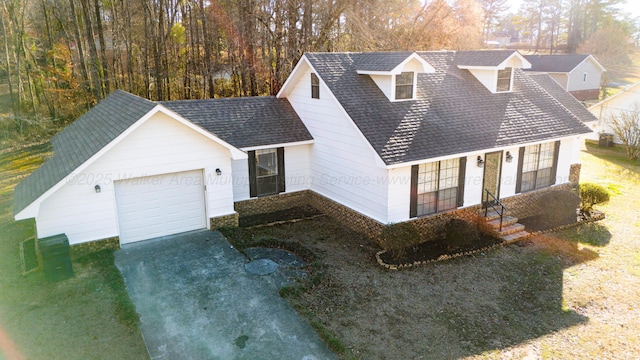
x: 506, y: 221
x: 510, y: 229
x: 515, y: 236
x: 491, y: 214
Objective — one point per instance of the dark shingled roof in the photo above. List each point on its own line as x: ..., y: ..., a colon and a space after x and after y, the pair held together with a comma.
x: 555, y: 63
x: 483, y: 58
x: 454, y: 113
x: 381, y: 61
x: 80, y: 141
x: 245, y: 122
x: 563, y: 96
x: 242, y: 122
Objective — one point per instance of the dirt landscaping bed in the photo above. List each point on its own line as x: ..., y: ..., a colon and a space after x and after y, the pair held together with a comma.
x: 570, y: 294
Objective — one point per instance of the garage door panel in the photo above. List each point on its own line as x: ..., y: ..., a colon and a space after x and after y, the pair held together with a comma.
x: 160, y: 205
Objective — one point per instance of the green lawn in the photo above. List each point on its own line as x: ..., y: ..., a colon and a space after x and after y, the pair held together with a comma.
x: 87, y: 317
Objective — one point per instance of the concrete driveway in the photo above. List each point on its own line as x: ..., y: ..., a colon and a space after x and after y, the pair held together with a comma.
x: 196, y: 301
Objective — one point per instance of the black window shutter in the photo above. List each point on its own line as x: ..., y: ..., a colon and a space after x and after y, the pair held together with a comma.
x: 281, y: 182
x: 461, y: 180
x: 519, y: 175
x: 413, y: 202
x: 554, y: 169
x: 253, y: 188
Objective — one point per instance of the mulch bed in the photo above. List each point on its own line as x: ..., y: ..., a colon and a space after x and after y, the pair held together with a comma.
x: 299, y: 212
x: 432, y: 250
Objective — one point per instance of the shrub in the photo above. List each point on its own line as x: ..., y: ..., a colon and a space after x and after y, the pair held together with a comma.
x: 398, y: 237
x: 459, y: 233
x: 591, y: 194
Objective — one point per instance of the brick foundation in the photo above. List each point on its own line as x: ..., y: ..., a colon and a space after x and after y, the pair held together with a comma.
x: 267, y: 204
x: 430, y: 227
x: 574, y: 174
x: 524, y: 205
x: 230, y: 220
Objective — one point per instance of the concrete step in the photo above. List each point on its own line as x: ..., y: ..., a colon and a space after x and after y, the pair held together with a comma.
x: 511, y: 229
x: 506, y: 221
x: 515, y: 236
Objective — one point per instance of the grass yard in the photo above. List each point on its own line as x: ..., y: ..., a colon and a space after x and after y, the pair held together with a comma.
x: 87, y: 317
x: 568, y: 295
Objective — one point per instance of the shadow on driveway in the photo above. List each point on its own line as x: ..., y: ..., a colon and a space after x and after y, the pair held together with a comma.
x: 196, y: 301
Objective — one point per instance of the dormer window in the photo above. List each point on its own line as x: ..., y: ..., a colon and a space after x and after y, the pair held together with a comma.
x: 404, y: 86
x: 315, y: 86
x: 504, y: 80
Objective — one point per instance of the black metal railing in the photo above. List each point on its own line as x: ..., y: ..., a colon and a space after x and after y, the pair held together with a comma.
x: 494, y: 203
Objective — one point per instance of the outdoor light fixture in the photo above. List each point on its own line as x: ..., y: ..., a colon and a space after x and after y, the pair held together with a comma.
x: 218, y: 172
x: 98, y: 189
x: 509, y: 157
x: 480, y: 161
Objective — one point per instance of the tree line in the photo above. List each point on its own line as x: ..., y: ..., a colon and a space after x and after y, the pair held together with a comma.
x: 62, y: 56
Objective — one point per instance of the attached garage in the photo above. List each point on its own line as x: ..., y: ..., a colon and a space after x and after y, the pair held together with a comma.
x: 154, y: 206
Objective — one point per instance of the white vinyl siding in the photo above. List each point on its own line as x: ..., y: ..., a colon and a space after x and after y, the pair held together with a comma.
x: 577, y: 77
x: 343, y: 164
x: 161, y: 145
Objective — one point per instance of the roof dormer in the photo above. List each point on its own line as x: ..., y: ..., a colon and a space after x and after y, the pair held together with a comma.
x: 396, y: 74
x: 494, y: 69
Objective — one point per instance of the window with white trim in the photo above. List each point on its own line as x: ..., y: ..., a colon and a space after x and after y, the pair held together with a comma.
x: 437, y: 186
x: 538, y: 166
x: 404, y: 86
x: 504, y: 80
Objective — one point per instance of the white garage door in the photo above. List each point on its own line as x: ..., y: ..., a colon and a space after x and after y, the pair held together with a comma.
x: 154, y: 206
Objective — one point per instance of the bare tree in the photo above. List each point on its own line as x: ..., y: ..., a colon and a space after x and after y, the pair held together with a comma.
x: 626, y: 127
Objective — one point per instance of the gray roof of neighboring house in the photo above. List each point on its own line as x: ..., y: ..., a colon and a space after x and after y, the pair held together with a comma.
x: 241, y: 122
x: 245, y: 122
x: 454, y: 113
x: 555, y: 63
x: 80, y: 141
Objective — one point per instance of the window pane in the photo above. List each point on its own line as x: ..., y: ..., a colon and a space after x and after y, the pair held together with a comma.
x: 426, y: 203
x: 543, y: 178
x: 404, y: 85
x: 530, y: 161
x: 528, y: 181
x: 427, y: 177
x: 266, y: 162
x: 546, y: 155
x: 449, y: 173
x: 504, y: 80
x: 448, y: 199
x: 315, y: 86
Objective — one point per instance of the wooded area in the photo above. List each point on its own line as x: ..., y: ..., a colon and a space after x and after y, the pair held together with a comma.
x: 62, y: 56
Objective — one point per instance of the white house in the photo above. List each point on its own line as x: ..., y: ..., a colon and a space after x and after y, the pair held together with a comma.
x: 579, y: 74
x: 371, y: 138
x: 625, y: 101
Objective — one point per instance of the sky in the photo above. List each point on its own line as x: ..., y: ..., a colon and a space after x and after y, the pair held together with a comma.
x: 631, y: 7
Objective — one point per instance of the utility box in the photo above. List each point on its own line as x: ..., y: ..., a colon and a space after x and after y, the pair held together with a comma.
x: 606, y: 140
x: 56, y: 257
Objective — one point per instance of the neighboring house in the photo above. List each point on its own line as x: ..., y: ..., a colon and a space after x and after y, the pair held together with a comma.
x: 627, y: 100
x: 368, y: 138
x: 581, y: 75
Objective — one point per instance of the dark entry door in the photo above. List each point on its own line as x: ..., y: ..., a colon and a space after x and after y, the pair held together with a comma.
x: 492, y: 171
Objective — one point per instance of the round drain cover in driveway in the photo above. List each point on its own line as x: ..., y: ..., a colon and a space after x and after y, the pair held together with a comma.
x: 261, y: 267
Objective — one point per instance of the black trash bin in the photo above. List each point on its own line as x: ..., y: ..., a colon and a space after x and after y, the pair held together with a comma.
x: 606, y: 140
x: 56, y: 258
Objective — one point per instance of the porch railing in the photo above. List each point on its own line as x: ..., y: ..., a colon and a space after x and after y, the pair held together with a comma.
x: 494, y: 203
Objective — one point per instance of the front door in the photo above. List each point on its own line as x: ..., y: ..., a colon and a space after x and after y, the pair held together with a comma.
x: 492, y: 171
